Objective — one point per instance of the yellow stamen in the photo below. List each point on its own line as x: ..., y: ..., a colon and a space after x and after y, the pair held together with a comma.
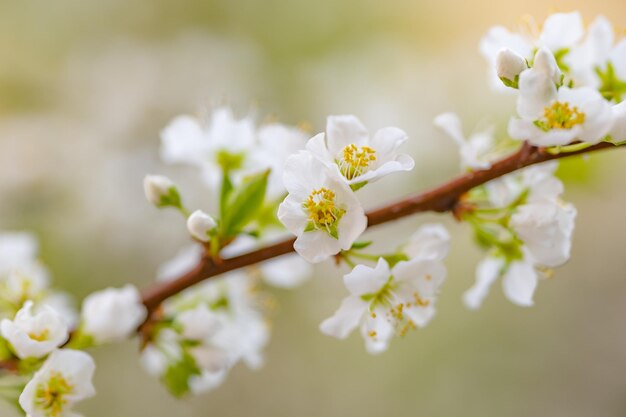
x: 561, y: 116
x: 355, y: 160
x: 322, y: 208
x: 39, y: 337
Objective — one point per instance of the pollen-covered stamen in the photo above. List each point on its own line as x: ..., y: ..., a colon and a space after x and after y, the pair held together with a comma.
x: 50, y: 396
x: 355, y: 160
x: 559, y: 115
x: 322, y: 208
x: 39, y: 336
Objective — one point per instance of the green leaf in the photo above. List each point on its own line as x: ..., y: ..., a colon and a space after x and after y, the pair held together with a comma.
x: 244, y: 204
x: 227, y: 188
x: 176, y: 378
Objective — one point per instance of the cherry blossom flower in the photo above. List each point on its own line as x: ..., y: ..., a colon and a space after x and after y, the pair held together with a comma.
x: 476, y: 151
x: 63, y: 380
x: 347, y: 149
x: 34, y: 335
x: 321, y: 209
x: 386, y: 300
x: 112, y: 314
x: 550, y: 116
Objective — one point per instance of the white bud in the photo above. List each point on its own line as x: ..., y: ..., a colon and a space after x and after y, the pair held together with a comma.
x: 546, y: 63
x: 158, y: 189
x: 200, y: 224
x: 509, y: 64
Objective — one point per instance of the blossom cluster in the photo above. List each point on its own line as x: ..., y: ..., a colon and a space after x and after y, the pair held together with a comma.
x: 271, y: 181
x: 36, y: 325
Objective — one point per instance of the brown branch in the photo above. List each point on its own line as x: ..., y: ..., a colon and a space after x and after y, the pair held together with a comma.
x: 439, y: 199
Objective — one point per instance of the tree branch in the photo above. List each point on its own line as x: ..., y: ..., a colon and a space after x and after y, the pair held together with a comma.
x: 439, y: 199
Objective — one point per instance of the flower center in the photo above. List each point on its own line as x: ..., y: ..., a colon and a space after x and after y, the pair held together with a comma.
x: 39, y: 336
x: 560, y: 116
x: 50, y: 395
x: 323, y: 211
x: 355, y: 160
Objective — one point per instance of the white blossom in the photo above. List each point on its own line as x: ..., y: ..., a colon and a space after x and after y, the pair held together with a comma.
x: 232, y: 145
x: 34, y: 335
x: 592, y: 54
x: 112, y: 314
x: 16, y: 250
x: 198, y: 323
x: 618, y: 130
x: 561, y: 32
x: 321, y: 209
x: 199, y: 224
x: 476, y: 151
x: 550, y: 117
x: 383, y: 301
x: 430, y: 241
x: 542, y: 227
x: 347, y: 149
x: 63, y: 380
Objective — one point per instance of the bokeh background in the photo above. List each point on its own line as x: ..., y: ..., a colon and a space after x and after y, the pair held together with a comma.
x: 85, y: 87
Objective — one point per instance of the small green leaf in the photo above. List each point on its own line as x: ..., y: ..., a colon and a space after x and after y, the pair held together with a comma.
x: 81, y: 340
x: 227, y: 188
x: 244, y: 204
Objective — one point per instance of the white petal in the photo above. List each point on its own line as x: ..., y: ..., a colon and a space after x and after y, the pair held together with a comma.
x: 430, y: 241
x: 345, y: 319
x: 364, y: 280
x: 618, y: 131
x: 452, y: 125
x: 520, y: 281
x: 562, y: 30
x: 287, y: 271
x: 487, y: 271
x: 183, y: 140
x: 344, y: 130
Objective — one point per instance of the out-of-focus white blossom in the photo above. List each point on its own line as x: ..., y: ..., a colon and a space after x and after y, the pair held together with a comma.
x: 476, y: 151
x: 112, y: 314
x: 63, y: 380
x: 34, y: 335
x: 385, y: 300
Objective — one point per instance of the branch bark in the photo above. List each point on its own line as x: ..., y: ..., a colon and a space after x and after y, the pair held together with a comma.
x: 440, y: 199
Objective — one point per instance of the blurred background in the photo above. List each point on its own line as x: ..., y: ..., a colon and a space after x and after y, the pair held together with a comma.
x: 86, y: 86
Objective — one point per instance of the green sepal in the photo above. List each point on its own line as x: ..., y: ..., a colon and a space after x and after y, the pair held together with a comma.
x: 394, y: 258
x: 243, y: 205
x: 81, y: 340
x: 358, y: 185
x: 29, y: 365
x: 360, y: 245
x: 510, y: 83
x: 176, y: 378
x: 171, y: 199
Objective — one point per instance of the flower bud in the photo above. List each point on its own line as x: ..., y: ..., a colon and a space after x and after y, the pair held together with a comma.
x: 200, y: 224
x: 509, y: 65
x: 161, y: 191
